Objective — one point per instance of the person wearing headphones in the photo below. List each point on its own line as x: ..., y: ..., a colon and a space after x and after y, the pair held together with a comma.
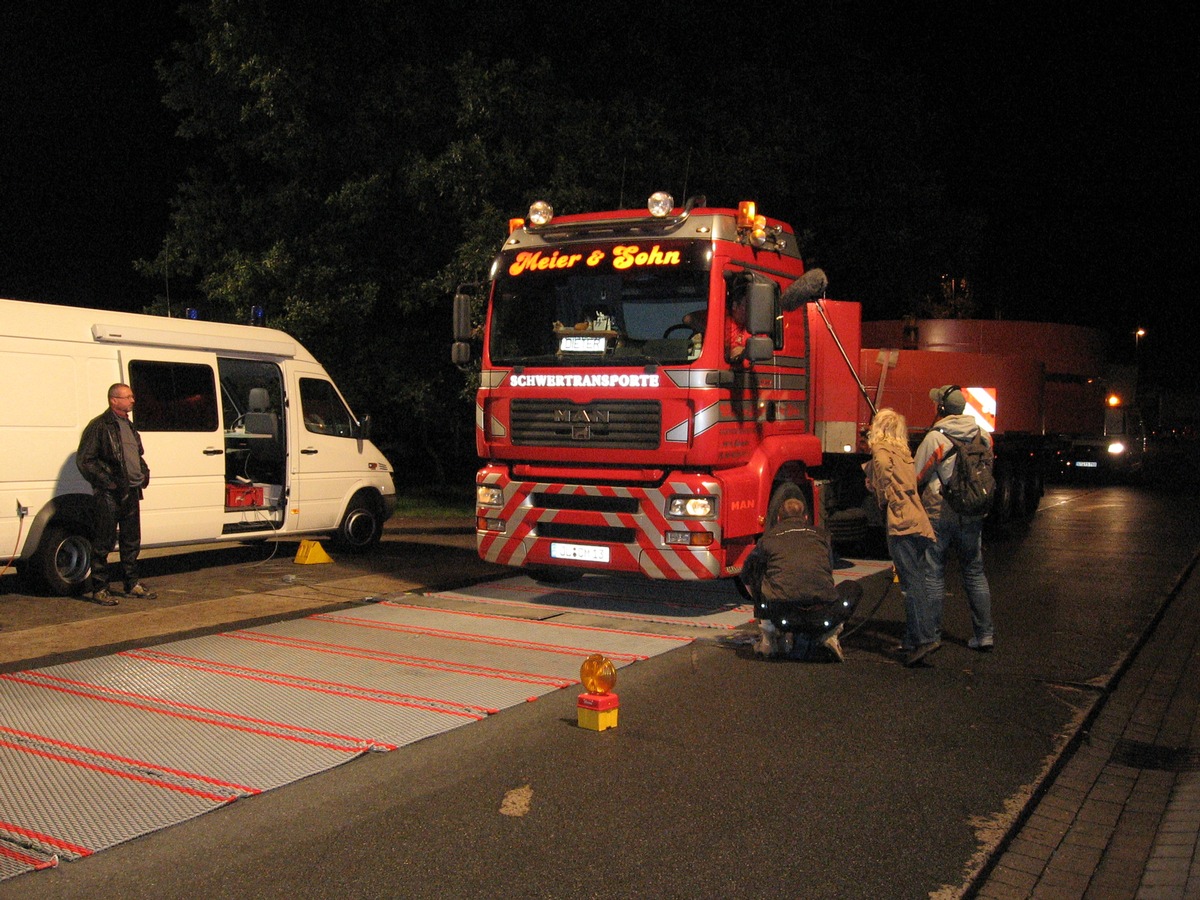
x: 935, y: 462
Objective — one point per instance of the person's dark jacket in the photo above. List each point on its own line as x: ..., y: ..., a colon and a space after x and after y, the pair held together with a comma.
x: 793, y: 562
x: 100, y: 459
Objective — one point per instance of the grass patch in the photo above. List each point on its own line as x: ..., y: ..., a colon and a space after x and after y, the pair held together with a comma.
x: 435, y: 502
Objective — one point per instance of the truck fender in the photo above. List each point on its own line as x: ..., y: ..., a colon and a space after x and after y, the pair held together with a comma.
x: 776, y: 462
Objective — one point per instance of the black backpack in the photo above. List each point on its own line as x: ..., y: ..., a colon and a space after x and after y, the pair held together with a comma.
x: 971, y: 487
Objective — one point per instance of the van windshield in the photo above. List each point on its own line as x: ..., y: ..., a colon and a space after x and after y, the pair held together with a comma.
x: 600, y: 304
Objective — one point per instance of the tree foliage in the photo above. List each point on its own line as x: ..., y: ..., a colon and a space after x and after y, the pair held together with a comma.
x: 356, y: 162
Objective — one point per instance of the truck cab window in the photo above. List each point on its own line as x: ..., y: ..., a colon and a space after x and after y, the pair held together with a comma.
x: 583, y: 307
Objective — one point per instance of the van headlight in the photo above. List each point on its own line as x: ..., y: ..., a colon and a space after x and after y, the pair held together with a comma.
x: 1116, y: 448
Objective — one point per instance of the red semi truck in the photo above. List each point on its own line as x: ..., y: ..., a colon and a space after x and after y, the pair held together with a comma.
x: 618, y: 429
x: 624, y: 427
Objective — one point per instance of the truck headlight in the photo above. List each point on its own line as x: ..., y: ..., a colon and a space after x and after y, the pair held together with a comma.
x: 691, y: 507
x: 660, y: 204
x: 540, y: 213
x: 487, y: 495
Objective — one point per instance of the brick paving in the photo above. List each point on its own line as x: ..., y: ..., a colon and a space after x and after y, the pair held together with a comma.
x: 1121, y: 816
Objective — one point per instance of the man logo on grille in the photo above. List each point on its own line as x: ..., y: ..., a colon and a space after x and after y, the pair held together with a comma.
x: 581, y: 420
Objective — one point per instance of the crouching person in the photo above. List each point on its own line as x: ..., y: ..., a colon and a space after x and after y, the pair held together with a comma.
x: 790, y: 576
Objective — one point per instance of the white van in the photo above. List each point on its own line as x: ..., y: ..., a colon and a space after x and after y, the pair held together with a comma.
x: 245, y: 434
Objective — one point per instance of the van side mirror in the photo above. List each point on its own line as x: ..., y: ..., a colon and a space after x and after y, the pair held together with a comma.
x: 363, y: 431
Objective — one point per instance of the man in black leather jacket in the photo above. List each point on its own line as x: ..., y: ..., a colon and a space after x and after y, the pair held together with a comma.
x: 110, y: 458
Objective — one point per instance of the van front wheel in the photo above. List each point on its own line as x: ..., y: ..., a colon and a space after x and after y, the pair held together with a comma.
x: 63, y: 560
x: 362, y: 525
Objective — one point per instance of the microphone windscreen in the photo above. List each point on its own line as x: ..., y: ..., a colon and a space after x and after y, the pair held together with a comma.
x: 807, y: 287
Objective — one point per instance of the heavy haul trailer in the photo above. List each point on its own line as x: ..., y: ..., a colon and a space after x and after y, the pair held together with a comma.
x: 1040, y: 388
x: 617, y: 431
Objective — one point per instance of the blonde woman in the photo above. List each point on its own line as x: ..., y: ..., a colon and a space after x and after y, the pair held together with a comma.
x: 892, y: 478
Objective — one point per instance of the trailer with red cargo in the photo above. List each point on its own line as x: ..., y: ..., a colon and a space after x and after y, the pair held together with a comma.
x: 628, y: 420
x: 1045, y: 391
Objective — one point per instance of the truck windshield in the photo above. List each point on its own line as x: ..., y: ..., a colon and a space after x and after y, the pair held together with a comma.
x: 600, y: 304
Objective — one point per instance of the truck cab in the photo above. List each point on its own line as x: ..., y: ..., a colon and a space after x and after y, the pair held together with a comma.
x: 646, y: 389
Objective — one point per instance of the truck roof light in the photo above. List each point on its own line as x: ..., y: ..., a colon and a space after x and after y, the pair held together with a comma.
x: 660, y: 204
x: 514, y: 224
x: 758, y: 232
x: 746, y: 213
x: 540, y: 213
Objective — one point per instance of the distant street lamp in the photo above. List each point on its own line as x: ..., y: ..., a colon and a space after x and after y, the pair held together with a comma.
x: 1137, y: 362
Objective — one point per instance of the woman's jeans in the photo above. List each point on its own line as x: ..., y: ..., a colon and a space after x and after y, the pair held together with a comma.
x: 908, y: 552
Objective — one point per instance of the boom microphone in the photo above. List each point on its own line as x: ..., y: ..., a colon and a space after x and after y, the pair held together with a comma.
x: 807, y: 287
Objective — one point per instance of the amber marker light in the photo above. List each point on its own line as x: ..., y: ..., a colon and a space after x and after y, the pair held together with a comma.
x: 597, y: 674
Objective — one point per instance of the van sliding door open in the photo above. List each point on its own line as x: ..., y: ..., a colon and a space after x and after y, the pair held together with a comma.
x: 178, y: 415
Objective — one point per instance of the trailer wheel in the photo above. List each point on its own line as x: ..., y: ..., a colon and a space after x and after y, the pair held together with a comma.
x: 362, y: 525
x: 1002, y: 507
x: 63, y: 560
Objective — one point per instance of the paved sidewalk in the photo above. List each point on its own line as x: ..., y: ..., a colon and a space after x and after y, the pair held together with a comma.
x: 1121, y: 817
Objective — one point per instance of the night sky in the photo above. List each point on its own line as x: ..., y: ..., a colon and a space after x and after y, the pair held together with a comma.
x: 1067, y: 129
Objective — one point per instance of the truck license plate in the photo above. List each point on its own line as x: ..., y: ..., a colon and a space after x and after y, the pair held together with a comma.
x: 585, y: 552
x: 1086, y: 464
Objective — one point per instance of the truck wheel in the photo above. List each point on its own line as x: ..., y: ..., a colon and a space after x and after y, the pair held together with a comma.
x: 362, y: 525
x: 1033, y: 494
x: 553, y: 575
x: 63, y: 560
x: 784, y: 491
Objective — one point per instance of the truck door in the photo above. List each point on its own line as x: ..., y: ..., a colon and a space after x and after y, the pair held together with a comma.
x: 177, y: 413
x: 329, y: 458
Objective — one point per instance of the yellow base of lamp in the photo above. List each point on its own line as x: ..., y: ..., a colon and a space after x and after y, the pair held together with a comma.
x: 312, y: 552
x: 598, y: 711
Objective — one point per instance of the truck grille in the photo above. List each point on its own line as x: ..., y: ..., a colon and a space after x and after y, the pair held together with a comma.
x: 619, y: 424
x: 585, y: 502
x: 608, y: 534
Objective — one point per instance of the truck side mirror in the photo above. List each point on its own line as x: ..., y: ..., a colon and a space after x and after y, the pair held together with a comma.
x: 460, y: 353
x: 760, y: 308
x: 759, y: 348
x: 462, y: 316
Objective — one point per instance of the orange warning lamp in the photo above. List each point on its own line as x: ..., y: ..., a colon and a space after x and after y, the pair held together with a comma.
x: 598, y: 674
x: 598, y: 708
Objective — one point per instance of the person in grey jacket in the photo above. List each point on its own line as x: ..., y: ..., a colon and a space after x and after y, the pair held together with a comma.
x: 110, y: 457
x: 935, y: 464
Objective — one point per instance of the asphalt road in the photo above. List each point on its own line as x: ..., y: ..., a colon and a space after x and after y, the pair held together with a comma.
x: 727, y: 776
